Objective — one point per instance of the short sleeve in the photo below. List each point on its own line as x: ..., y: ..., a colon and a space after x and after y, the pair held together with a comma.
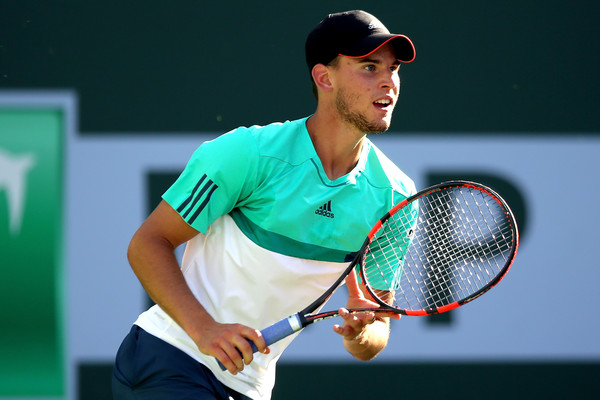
x: 217, y: 177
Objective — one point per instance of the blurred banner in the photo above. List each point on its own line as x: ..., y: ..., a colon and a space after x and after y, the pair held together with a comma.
x: 113, y: 181
x: 32, y: 358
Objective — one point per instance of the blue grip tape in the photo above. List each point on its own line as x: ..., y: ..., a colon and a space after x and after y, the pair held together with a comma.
x: 276, y: 332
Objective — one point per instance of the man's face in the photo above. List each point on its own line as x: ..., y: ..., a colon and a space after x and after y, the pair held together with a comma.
x: 366, y: 89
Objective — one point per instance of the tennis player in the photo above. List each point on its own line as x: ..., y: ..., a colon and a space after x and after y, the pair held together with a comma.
x: 271, y: 216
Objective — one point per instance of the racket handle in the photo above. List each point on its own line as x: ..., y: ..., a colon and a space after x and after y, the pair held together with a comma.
x: 276, y: 332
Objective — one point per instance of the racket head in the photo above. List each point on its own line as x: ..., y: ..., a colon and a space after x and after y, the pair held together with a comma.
x: 439, y: 249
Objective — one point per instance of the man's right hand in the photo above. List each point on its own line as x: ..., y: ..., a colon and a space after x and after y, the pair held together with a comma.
x: 230, y: 344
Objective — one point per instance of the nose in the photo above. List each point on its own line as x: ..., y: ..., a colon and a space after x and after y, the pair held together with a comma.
x: 390, y: 80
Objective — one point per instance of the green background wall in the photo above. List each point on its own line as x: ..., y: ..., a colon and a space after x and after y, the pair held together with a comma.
x: 190, y: 65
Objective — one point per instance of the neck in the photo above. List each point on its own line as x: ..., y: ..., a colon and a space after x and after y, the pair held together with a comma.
x: 337, y: 145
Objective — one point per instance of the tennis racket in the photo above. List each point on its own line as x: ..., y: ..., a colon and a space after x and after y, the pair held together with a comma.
x: 435, y: 251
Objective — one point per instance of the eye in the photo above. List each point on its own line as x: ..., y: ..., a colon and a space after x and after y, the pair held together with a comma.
x: 370, y: 67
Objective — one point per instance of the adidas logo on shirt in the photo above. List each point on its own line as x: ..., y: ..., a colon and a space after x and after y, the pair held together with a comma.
x: 325, y: 210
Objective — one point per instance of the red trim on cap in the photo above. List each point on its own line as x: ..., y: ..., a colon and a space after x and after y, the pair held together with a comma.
x: 383, y: 44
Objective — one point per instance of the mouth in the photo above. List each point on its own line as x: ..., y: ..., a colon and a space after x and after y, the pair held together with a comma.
x: 383, y: 103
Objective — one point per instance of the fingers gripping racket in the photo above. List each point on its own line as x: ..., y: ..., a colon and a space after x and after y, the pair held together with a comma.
x: 433, y: 252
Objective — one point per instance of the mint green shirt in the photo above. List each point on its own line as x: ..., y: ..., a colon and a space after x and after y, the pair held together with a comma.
x: 271, y: 181
x: 274, y: 234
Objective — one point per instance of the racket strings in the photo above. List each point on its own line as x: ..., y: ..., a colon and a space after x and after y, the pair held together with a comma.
x: 439, y: 249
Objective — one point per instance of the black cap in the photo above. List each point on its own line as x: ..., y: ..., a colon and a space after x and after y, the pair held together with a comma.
x: 353, y: 34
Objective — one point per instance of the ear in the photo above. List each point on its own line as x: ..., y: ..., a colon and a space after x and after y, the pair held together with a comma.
x: 322, y: 78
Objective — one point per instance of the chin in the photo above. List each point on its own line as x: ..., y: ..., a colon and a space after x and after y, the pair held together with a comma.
x: 378, y: 131
x: 382, y: 127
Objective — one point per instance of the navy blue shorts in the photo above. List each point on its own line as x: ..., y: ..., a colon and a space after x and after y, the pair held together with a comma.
x: 147, y: 368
